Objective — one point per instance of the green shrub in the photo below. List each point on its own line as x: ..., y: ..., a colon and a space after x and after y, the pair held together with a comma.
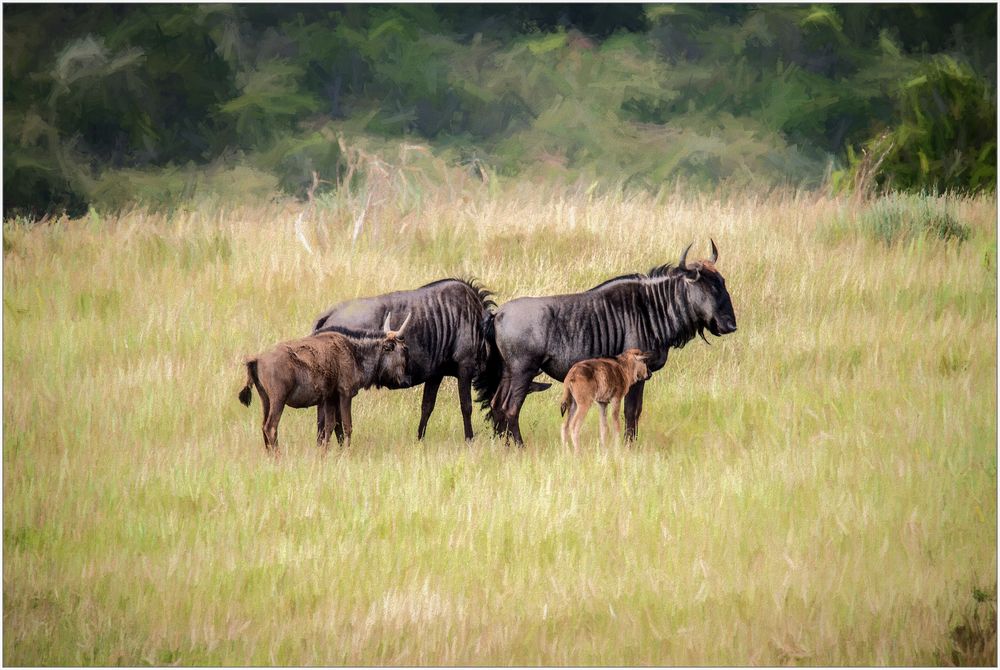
x: 899, y: 217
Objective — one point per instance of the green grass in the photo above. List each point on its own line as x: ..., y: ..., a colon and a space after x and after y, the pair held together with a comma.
x: 818, y: 488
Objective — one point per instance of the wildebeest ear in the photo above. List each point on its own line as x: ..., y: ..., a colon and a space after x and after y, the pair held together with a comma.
x: 693, y: 273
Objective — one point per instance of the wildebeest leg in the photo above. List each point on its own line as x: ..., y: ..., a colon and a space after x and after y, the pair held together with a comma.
x: 465, y: 399
x: 270, y: 428
x: 320, y: 423
x: 345, y: 418
x: 520, y: 381
x: 497, y: 404
x: 633, y: 408
x: 616, y: 406
x: 603, y: 407
x: 581, y: 414
x: 564, y: 431
x: 427, y: 405
x: 329, y: 409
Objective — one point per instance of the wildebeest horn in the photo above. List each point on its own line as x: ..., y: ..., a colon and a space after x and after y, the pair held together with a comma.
x: 715, y: 251
x: 399, y: 333
x: 385, y: 324
x: 683, y: 263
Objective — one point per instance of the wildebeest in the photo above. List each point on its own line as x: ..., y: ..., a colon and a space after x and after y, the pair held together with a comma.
x: 326, y: 369
x: 446, y: 339
x: 601, y: 380
x: 653, y: 312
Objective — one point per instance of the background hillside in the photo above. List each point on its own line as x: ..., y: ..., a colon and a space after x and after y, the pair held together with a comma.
x: 105, y: 105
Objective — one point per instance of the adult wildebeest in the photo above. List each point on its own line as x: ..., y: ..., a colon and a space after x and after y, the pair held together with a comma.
x: 327, y: 370
x: 653, y: 312
x: 445, y: 340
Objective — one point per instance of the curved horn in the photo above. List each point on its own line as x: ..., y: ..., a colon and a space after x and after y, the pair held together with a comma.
x: 683, y: 263
x: 385, y: 325
x: 399, y: 333
x: 715, y: 251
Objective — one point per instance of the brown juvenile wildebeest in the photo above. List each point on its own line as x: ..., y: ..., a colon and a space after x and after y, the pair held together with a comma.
x: 326, y: 369
x: 600, y: 380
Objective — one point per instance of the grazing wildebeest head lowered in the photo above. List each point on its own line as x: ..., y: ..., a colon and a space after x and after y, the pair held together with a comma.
x: 653, y: 312
x: 326, y: 369
x: 445, y: 340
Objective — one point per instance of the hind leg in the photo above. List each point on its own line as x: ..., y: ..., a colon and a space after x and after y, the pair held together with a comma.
x: 497, y: 405
x: 520, y: 383
x: 564, y: 431
x: 616, y: 404
x: 270, y: 428
x: 577, y: 423
x: 603, y: 409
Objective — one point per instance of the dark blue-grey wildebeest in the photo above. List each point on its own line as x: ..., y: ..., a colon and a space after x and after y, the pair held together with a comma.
x: 445, y: 337
x: 653, y: 312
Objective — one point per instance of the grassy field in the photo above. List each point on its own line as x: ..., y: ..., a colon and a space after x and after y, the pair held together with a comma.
x: 817, y: 488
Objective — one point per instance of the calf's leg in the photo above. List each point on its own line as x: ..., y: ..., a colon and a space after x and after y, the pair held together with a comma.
x: 345, y: 418
x: 329, y: 410
x: 564, y: 431
x: 603, y: 408
x: 616, y: 405
x: 270, y: 428
x: 581, y: 414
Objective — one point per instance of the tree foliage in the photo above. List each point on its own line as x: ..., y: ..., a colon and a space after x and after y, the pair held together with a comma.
x: 739, y: 93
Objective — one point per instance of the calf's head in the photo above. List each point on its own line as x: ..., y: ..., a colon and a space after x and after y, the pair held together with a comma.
x: 707, y: 294
x: 393, y: 356
x: 634, y: 363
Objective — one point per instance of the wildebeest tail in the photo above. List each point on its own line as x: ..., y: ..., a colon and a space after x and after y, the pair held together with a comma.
x: 245, y: 395
x: 567, y: 399
x: 487, y: 381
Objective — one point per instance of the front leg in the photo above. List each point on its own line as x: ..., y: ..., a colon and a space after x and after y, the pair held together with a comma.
x: 427, y: 405
x: 633, y: 408
x: 465, y: 400
x: 329, y: 412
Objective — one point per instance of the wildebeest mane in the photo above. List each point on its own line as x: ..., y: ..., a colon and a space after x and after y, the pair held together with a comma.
x: 482, y: 293
x: 654, y: 272
x: 352, y: 332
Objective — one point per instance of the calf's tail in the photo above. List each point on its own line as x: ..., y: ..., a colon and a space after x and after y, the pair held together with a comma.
x: 245, y: 395
x: 567, y: 399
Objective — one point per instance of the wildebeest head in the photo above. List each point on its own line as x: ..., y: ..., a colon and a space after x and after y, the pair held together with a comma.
x: 634, y: 362
x: 393, y: 355
x: 707, y: 295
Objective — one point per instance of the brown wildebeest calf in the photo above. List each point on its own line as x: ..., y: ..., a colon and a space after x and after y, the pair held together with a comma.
x: 326, y: 369
x: 600, y: 380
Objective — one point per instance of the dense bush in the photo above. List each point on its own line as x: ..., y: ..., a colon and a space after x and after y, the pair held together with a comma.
x: 742, y: 94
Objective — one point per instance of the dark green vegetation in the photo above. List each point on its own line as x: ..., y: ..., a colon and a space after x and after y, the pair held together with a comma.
x: 108, y: 104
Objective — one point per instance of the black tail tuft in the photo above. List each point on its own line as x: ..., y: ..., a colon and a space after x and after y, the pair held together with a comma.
x: 487, y: 381
x: 245, y: 395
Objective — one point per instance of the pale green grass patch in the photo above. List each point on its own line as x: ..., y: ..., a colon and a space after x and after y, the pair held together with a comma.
x: 818, y: 488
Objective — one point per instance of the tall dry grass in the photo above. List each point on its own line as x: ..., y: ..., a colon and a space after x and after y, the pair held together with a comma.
x: 818, y: 488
